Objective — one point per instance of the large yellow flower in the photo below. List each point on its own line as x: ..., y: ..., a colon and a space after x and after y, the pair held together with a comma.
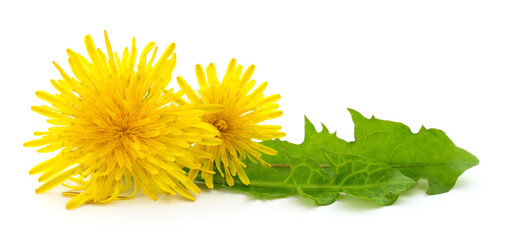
x: 238, y: 122
x: 117, y: 128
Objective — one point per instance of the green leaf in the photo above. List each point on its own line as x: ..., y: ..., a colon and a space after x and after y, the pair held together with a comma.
x: 385, y: 160
x: 428, y: 154
x: 303, y: 176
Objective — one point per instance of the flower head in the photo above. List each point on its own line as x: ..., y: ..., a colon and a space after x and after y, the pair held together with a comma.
x: 117, y: 128
x: 238, y: 123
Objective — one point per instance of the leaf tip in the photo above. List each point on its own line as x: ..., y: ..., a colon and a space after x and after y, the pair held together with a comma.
x: 324, y: 128
x: 355, y: 115
x: 352, y: 111
x: 308, y: 126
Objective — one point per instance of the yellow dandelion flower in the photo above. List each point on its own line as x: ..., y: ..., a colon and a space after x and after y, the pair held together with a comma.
x: 117, y: 128
x: 238, y: 122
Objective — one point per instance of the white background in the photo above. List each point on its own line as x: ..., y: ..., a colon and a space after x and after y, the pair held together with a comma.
x: 436, y: 63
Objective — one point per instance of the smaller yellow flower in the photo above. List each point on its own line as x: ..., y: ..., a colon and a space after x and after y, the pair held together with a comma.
x: 238, y: 122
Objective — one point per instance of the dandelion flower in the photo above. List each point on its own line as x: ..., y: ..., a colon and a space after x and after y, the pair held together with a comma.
x: 238, y: 122
x: 117, y: 129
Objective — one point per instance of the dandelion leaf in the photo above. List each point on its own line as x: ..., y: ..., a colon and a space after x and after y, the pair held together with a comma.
x: 428, y: 154
x: 385, y: 160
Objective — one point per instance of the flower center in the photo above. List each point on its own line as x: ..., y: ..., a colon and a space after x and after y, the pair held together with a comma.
x: 220, y: 124
x: 125, y: 131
